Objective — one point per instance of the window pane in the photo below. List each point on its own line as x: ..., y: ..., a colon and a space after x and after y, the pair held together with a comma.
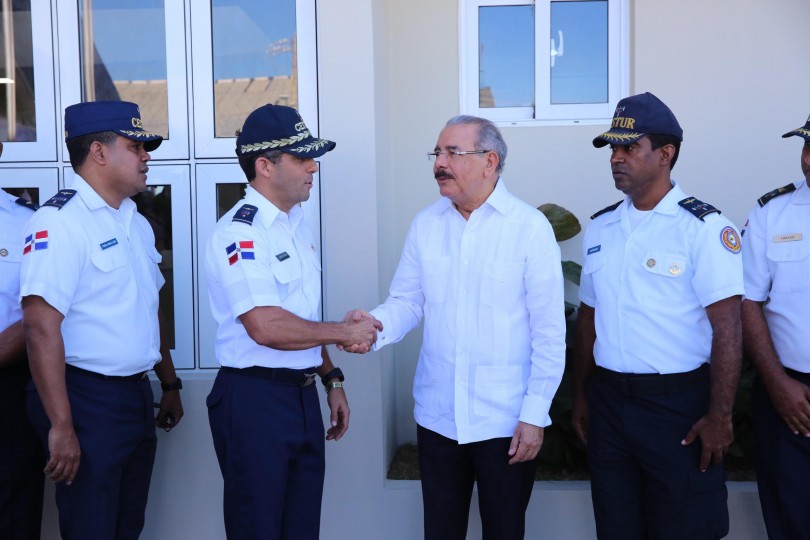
x: 123, y: 56
x: 27, y: 193
x: 579, y: 61
x: 17, y: 104
x: 227, y: 196
x: 254, y: 49
x: 506, y: 56
x: 155, y: 204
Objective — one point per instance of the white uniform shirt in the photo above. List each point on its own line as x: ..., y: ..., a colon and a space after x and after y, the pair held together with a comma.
x: 650, y: 285
x: 491, y: 290
x: 98, y: 266
x: 13, y: 217
x: 776, y: 253
x: 269, y: 262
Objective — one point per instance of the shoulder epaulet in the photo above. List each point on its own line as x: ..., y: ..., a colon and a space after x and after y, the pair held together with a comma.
x: 61, y: 198
x: 697, y: 208
x: 765, y: 199
x: 245, y: 214
x: 610, y: 208
x: 28, y: 204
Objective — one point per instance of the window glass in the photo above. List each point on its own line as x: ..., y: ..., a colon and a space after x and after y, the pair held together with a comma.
x: 155, y: 204
x: 506, y: 56
x: 227, y: 196
x: 17, y: 103
x: 579, y: 52
x: 254, y: 55
x: 123, y: 56
x: 27, y: 193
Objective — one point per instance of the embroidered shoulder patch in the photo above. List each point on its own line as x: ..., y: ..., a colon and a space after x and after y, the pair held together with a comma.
x: 36, y: 242
x: 610, y: 208
x: 771, y: 195
x: 697, y: 208
x: 240, y: 250
x: 731, y: 240
x: 61, y: 198
x: 245, y: 214
x: 28, y: 204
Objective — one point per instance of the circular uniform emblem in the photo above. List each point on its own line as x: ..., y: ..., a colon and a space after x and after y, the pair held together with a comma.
x: 3, y: 252
x: 731, y: 240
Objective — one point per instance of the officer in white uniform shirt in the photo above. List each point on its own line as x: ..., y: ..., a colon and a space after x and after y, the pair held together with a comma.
x: 484, y: 269
x: 89, y: 288
x: 776, y: 252
x: 21, y: 455
x: 658, y: 341
x: 264, y: 285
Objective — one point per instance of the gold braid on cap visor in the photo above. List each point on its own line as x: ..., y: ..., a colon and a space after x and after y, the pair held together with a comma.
x: 137, y: 133
x: 620, y: 136
x: 255, y: 147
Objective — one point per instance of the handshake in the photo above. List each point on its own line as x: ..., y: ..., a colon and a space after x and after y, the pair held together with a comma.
x: 361, y: 331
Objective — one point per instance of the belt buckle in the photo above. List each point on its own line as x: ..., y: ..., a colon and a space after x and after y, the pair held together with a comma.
x: 307, y: 379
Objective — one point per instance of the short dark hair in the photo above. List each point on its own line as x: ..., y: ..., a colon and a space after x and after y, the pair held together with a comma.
x: 248, y: 163
x: 79, y: 147
x: 658, y: 140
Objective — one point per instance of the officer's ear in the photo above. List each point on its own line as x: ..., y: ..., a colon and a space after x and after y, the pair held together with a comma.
x: 667, y: 153
x: 97, y: 152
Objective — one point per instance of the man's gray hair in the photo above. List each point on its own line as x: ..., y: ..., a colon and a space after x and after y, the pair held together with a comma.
x: 489, y: 136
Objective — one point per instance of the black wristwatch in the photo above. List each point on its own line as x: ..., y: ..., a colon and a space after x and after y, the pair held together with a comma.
x: 334, y: 374
x: 176, y: 385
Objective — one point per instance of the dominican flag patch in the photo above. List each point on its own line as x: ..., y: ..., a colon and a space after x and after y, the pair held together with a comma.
x: 36, y: 242
x: 240, y: 250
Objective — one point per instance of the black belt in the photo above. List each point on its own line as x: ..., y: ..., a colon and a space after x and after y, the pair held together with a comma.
x: 649, y: 384
x: 135, y: 377
x: 301, y: 377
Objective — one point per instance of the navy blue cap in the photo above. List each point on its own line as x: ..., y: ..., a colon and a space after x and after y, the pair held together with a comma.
x: 637, y: 116
x: 276, y: 127
x: 803, y: 131
x: 121, y: 117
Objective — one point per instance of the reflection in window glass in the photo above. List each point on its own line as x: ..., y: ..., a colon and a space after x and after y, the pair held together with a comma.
x: 155, y: 204
x: 17, y: 104
x: 227, y: 196
x: 579, y: 69
x: 506, y: 56
x: 254, y: 55
x: 27, y: 193
x: 123, y: 56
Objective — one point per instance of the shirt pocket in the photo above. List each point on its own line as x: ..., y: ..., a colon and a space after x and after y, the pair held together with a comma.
x: 435, y: 272
x: 790, y: 265
x: 668, y: 265
x: 502, y: 284
x: 593, y: 262
x: 287, y: 271
x: 109, y: 260
x: 498, y: 390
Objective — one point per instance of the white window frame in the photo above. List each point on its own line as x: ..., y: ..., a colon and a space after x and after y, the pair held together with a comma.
x: 207, y: 145
x: 544, y: 112
x: 176, y: 176
x: 209, y: 176
x: 42, y: 178
x: 175, y: 147
x: 44, y: 148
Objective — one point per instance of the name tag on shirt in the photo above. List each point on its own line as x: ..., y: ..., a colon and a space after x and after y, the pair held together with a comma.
x: 283, y: 256
x: 109, y: 243
x: 594, y: 249
x: 787, y: 237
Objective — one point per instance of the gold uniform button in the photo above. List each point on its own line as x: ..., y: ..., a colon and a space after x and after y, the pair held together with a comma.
x: 650, y: 262
x: 674, y: 269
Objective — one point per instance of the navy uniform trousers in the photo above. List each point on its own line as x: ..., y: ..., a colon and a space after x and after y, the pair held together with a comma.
x: 450, y: 469
x: 21, y: 460
x: 644, y: 483
x: 783, y: 467
x: 269, y: 439
x: 114, y: 422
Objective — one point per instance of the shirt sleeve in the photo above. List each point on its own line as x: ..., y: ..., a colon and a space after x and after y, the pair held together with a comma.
x: 546, y: 307
x: 403, y: 309
x: 757, y: 274
x: 53, y: 257
x: 239, y: 257
x: 587, y: 294
x: 717, y: 260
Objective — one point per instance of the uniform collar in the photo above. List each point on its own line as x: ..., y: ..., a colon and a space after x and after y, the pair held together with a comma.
x: 801, y: 195
x: 268, y: 212
x: 667, y: 206
x: 7, y: 201
x: 93, y: 200
x: 499, y: 199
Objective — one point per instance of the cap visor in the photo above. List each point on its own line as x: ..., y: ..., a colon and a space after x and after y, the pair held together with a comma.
x: 619, y: 137
x: 150, y: 140
x: 801, y: 132
x: 312, y: 149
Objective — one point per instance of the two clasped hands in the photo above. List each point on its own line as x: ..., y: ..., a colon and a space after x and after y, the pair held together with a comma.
x: 362, y: 331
